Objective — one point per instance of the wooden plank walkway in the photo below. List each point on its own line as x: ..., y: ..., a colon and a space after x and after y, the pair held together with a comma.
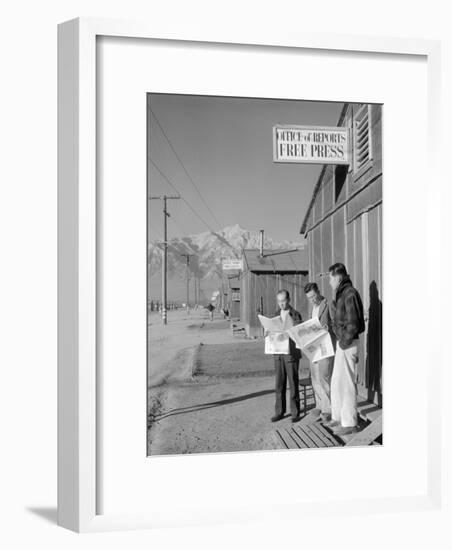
x: 309, y: 435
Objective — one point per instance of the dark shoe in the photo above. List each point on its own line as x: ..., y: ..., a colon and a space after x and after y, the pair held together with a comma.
x: 296, y: 418
x: 346, y: 431
x: 277, y: 417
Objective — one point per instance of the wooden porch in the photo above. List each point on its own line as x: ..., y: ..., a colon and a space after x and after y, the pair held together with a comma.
x: 311, y: 433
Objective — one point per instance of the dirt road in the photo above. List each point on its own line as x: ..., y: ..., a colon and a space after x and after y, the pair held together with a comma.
x: 223, y: 405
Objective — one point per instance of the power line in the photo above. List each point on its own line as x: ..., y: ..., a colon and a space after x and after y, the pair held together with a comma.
x: 187, y: 245
x: 184, y: 168
x: 165, y: 177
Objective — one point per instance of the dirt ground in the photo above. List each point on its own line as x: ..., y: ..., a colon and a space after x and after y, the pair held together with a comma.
x: 208, y: 390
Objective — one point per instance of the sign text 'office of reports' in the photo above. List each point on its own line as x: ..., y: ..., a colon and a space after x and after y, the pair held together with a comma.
x: 311, y: 144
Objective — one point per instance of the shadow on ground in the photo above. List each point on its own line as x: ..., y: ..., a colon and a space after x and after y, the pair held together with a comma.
x: 47, y: 513
x: 202, y: 406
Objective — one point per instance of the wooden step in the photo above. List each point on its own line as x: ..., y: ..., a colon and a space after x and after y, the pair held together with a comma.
x: 369, y: 411
x: 368, y: 435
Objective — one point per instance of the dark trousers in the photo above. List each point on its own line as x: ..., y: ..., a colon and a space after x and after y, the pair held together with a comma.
x: 286, y: 367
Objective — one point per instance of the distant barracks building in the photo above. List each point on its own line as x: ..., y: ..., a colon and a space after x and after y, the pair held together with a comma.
x: 264, y: 273
x: 344, y: 224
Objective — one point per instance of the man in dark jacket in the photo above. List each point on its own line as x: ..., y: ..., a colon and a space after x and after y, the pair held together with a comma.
x: 286, y: 365
x: 348, y: 323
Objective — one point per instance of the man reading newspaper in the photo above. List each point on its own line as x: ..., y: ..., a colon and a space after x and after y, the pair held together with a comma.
x: 321, y: 370
x: 286, y: 356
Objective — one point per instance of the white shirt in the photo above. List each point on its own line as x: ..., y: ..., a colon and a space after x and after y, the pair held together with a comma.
x: 286, y: 319
x: 315, y: 311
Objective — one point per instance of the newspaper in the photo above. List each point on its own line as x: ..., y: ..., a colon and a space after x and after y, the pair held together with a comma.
x: 276, y: 339
x: 312, y: 339
x: 274, y: 324
x: 320, y: 348
x: 276, y: 343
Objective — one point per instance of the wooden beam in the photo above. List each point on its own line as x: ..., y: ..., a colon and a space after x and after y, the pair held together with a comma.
x: 368, y: 435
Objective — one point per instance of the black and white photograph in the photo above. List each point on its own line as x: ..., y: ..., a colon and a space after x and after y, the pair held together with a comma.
x: 264, y: 274
x: 198, y: 230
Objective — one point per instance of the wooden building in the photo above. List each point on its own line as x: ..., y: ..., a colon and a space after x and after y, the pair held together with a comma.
x: 233, y: 295
x: 344, y: 224
x: 264, y: 273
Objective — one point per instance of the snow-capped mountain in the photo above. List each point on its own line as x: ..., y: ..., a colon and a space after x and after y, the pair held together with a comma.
x: 209, y: 249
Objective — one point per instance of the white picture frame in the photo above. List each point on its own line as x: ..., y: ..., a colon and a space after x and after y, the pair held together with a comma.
x: 78, y: 447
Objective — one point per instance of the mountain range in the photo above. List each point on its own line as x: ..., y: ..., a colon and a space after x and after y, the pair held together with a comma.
x: 208, y: 249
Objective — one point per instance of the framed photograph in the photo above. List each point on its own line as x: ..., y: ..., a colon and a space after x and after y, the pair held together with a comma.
x: 234, y: 211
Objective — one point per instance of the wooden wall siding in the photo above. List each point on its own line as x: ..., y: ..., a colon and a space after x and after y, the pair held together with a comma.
x: 244, y: 299
x: 368, y: 198
x: 260, y: 288
x: 324, y: 201
x: 364, y: 176
x: 310, y: 244
x: 234, y: 310
x: 233, y: 305
x: 350, y: 263
x: 328, y: 195
x: 351, y: 232
x: 317, y: 253
x: 327, y: 256
x: 374, y: 343
x: 339, y: 237
x: 318, y: 207
x: 358, y: 274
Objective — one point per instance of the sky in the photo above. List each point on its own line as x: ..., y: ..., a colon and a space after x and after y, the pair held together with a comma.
x: 226, y: 147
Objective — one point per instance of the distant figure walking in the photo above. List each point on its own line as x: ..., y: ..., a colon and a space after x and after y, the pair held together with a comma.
x: 348, y: 323
x: 321, y: 371
x: 210, y: 308
x: 286, y: 365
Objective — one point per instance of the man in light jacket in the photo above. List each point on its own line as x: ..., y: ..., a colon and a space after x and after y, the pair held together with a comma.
x: 321, y: 371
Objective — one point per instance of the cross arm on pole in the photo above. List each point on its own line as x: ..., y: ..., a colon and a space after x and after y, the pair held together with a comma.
x: 160, y: 197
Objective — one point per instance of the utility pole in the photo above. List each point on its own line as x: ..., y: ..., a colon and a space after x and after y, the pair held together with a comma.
x: 222, y: 285
x: 188, y: 256
x: 164, y: 198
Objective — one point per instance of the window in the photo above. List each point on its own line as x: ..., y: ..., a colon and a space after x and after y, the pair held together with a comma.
x: 340, y: 177
x: 362, y: 138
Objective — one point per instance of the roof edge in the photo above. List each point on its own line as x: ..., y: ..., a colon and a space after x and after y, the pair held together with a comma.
x: 319, y: 179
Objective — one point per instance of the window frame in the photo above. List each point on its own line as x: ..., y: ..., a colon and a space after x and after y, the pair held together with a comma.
x: 367, y: 165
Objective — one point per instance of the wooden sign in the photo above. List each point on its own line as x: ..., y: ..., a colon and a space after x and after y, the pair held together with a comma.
x: 232, y: 264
